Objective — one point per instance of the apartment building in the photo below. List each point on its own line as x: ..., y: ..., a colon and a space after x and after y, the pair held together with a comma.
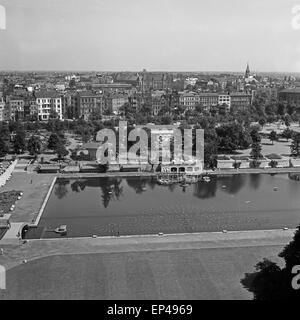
x: 290, y: 95
x: 115, y: 101
x: 15, y: 107
x: 69, y: 104
x: 240, y: 101
x: 158, y: 101
x: 48, y: 103
x: 208, y: 100
x: 87, y: 104
x: 188, y: 99
x: 224, y: 99
x: 2, y: 109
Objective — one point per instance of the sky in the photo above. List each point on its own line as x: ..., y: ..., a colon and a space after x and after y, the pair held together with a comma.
x: 158, y: 35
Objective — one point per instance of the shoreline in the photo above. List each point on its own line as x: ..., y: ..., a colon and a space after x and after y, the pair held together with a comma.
x: 154, y: 174
x: 38, y: 248
x: 38, y: 218
x: 201, y: 236
x: 33, y: 223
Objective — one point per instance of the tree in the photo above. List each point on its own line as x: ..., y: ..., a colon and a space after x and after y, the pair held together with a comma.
x: 20, y: 142
x: 273, y: 164
x: 262, y: 122
x: 295, y: 146
x: 210, y: 155
x: 34, y: 145
x: 53, y: 141
x: 273, y: 136
x: 256, y: 151
x: 199, y: 108
x: 269, y: 281
x: 4, y: 149
x: 256, y: 138
x: 166, y: 120
x: 233, y: 137
x: 95, y: 115
x: 287, y: 120
x: 61, y: 151
x: 53, y: 114
x: 146, y: 109
x: 287, y: 134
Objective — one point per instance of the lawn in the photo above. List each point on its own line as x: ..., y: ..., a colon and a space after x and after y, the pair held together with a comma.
x: 172, y: 274
x: 7, y: 199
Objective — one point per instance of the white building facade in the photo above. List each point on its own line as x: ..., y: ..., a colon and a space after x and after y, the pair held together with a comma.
x: 48, y: 103
x: 2, y: 107
x: 225, y: 99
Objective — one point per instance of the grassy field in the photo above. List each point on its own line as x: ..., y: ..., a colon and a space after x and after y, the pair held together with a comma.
x: 172, y: 274
x: 7, y: 199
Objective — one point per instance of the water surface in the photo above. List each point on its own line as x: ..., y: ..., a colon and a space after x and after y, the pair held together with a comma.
x: 130, y: 206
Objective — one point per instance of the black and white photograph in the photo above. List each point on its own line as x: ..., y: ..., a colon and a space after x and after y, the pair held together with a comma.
x: 149, y: 153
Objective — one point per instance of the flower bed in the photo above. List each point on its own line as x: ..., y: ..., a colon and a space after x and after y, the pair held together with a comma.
x: 7, y: 199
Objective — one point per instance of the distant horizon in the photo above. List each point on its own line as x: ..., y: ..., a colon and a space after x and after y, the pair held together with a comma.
x: 150, y: 71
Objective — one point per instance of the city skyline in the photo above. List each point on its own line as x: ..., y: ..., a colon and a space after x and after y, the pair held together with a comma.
x: 159, y: 36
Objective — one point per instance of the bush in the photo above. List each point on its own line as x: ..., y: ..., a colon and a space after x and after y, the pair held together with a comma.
x: 237, y: 165
x: 273, y: 164
x: 255, y: 164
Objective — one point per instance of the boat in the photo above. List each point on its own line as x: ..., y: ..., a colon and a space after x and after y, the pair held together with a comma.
x: 61, y: 230
x: 206, y: 179
x: 164, y: 182
x: 160, y: 181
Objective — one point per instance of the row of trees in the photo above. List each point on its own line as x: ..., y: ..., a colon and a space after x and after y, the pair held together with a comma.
x: 33, y: 144
x: 273, y: 136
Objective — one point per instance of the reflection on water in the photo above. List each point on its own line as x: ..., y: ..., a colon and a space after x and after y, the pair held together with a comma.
x: 206, y: 190
x: 61, y: 189
x: 255, y: 180
x: 112, y: 206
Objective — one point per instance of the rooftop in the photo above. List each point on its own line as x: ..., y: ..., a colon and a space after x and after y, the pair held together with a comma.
x: 87, y: 93
x: 47, y: 94
x: 291, y: 90
x: 91, y: 145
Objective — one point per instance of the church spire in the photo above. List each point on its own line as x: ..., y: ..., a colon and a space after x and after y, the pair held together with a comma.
x: 247, y: 74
